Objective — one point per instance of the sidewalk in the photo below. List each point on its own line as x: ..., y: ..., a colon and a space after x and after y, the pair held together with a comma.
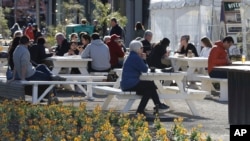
x: 213, y: 114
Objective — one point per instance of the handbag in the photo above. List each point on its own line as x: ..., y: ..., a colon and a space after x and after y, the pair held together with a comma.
x: 9, y: 73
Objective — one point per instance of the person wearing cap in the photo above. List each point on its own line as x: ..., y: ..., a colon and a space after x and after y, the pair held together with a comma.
x: 116, y: 52
x: 158, y: 52
x: 99, y: 52
x: 106, y: 39
x: 219, y: 57
x: 29, y: 32
x: 133, y: 66
x: 186, y: 46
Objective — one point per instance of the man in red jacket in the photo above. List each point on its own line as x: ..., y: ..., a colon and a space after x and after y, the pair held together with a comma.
x: 219, y: 57
x: 116, y: 52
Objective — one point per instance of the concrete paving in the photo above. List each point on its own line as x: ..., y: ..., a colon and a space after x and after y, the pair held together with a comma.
x: 213, y: 113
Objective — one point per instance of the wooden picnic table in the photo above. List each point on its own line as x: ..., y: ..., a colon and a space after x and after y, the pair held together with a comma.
x: 74, y: 61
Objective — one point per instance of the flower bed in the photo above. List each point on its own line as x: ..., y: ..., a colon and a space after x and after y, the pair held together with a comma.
x: 22, y: 121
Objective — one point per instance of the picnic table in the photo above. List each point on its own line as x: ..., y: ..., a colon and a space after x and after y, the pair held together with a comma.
x: 192, y: 65
x: 74, y: 61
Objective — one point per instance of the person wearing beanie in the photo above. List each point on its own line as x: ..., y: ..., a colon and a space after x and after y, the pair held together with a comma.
x: 219, y: 57
x: 116, y: 52
x: 133, y: 66
x: 99, y: 52
x: 185, y: 46
x: 158, y: 52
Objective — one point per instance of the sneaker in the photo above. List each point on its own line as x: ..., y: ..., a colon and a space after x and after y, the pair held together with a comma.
x: 163, y: 106
x: 58, y: 78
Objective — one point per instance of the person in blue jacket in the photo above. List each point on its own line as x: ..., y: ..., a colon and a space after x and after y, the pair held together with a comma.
x: 133, y: 66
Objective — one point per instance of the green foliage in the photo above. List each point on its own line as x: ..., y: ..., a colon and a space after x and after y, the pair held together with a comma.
x: 103, y: 14
x: 70, y: 9
x: 52, y: 30
x: 4, y: 29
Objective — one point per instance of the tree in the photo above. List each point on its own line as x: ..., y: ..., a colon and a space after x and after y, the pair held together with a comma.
x: 103, y: 13
x: 73, y: 11
x: 4, y: 29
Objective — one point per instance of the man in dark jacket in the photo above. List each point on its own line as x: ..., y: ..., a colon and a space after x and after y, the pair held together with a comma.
x: 116, y: 29
x: 62, y: 44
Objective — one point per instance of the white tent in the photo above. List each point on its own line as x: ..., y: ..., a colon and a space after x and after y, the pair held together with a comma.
x: 245, y: 18
x: 174, y: 18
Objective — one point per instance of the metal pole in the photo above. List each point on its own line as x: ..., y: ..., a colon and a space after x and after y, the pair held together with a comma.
x: 15, y: 5
x: 38, y: 14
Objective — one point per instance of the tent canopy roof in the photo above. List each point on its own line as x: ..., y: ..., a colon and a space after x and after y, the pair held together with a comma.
x: 164, y: 4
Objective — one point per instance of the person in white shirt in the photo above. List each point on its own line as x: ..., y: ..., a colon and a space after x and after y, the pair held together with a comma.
x: 207, y: 46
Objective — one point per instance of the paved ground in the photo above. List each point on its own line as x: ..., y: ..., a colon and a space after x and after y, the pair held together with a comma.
x: 213, y: 114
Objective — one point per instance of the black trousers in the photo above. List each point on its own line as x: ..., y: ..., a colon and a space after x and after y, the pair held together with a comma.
x: 147, y: 90
x: 218, y: 74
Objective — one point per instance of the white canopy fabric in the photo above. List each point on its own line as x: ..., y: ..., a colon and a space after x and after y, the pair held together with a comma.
x: 174, y: 18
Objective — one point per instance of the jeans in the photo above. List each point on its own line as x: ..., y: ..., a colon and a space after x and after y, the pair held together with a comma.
x: 147, y: 90
x: 218, y: 74
x: 42, y: 73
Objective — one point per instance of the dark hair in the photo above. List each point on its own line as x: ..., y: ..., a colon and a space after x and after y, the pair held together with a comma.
x: 139, y: 26
x: 82, y: 33
x: 95, y: 36
x: 24, y: 39
x: 206, y: 41
x: 228, y: 39
x: 86, y: 37
x: 12, y: 48
x: 114, y: 20
x: 165, y: 42
x: 41, y: 41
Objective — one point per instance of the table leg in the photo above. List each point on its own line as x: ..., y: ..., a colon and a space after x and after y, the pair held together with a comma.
x: 56, y: 70
x: 34, y: 93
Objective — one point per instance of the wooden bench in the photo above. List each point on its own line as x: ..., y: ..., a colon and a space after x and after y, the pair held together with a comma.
x: 206, y: 84
x: 112, y: 92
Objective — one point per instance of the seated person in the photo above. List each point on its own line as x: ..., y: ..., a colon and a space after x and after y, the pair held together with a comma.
x: 158, y: 52
x: 133, y: 66
x: 219, y: 57
x: 38, y: 53
x: 74, y: 50
x: 185, y: 46
x: 24, y: 68
x: 115, y: 50
x: 62, y: 44
x: 207, y: 46
x: 99, y: 52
